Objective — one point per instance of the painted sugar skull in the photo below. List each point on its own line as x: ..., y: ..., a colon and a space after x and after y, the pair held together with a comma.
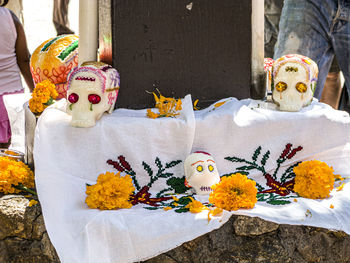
x: 53, y: 60
x: 294, y: 82
x: 92, y: 90
x: 201, y: 172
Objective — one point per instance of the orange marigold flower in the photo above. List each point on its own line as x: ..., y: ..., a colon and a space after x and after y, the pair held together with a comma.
x: 313, y: 179
x: 331, y: 206
x: 195, y: 206
x: 32, y: 203
x: 14, y: 173
x: 339, y: 188
x: 43, y: 95
x: 167, y: 107
x: 167, y: 208
x: 234, y: 192
x: 111, y: 191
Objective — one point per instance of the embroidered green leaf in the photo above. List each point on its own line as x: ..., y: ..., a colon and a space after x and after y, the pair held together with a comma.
x: 260, y: 188
x: 278, y: 202
x: 147, y: 169
x: 184, y: 200
x: 172, y: 164
x: 178, y: 184
x: 158, y: 163
x: 265, y: 157
x: 246, y: 168
x: 151, y: 207
x: 235, y: 159
x: 256, y: 154
x: 182, y: 210
x: 160, y: 194
x: 165, y: 175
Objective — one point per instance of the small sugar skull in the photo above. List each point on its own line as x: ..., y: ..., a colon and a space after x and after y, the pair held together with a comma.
x: 92, y: 90
x: 201, y: 172
x: 294, y: 82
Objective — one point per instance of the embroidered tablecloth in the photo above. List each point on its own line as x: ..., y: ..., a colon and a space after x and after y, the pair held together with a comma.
x: 245, y: 136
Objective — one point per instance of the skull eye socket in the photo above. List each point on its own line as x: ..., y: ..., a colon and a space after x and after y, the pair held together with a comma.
x: 199, y: 168
x: 281, y: 86
x: 301, y: 87
x: 210, y: 168
x: 94, y: 98
x: 73, y: 98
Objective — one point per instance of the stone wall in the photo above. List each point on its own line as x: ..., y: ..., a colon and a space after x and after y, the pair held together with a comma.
x: 23, y: 239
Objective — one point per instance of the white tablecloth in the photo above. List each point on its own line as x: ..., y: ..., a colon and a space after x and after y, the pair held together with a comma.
x: 246, y: 136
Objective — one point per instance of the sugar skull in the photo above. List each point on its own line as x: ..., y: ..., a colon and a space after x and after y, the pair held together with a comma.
x: 53, y: 60
x: 92, y: 90
x: 201, y: 172
x: 294, y: 82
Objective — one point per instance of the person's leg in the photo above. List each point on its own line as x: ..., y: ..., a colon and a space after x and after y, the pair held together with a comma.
x: 341, y: 41
x: 332, y: 88
x: 304, y: 29
x: 60, y: 17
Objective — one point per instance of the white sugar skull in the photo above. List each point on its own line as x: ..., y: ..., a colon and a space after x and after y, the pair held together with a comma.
x: 92, y: 90
x: 201, y: 172
x: 294, y: 78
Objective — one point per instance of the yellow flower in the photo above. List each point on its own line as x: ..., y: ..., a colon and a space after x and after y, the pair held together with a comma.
x: 111, y: 191
x: 195, y: 206
x: 339, y: 188
x: 214, y: 212
x: 195, y: 107
x: 234, y: 192
x: 218, y: 104
x: 13, y: 173
x: 167, y: 208
x: 43, y: 95
x: 32, y: 203
x: 167, y: 107
x: 313, y: 179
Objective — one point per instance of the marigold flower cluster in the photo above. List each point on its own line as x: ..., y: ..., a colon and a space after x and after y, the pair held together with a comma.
x: 234, y: 192
x: 43, y: 96
x: 167, y: 107
x: 111, y: 191
x: 313, y: 179
x: 13, y: 173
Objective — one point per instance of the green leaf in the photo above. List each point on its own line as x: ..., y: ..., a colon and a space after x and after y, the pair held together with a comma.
x: 234, y: 159
x: 182, y: 210
x: 265, y: 157
x: 184, y: 200
x: 246, y: 168
x: 172, y: 164
x: 166, y: 175
x: 260, y: 188
x: 178, y: 184
x: 147, y: 169
x: 151, y: 208
x: 278, y: 202
x: 158, y: 163
x: 256, y: 153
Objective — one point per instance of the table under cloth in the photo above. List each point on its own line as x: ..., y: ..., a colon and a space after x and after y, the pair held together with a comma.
x: 244, y: 136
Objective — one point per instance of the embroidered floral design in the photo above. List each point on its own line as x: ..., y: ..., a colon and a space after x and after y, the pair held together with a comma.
x: 278, y: 188
x: 163, y: 199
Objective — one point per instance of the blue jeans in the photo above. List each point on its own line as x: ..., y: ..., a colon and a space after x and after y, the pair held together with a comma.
x: 318, y: 29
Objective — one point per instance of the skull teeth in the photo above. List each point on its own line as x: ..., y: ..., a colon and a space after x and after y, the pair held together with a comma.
x: 206, y: 188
